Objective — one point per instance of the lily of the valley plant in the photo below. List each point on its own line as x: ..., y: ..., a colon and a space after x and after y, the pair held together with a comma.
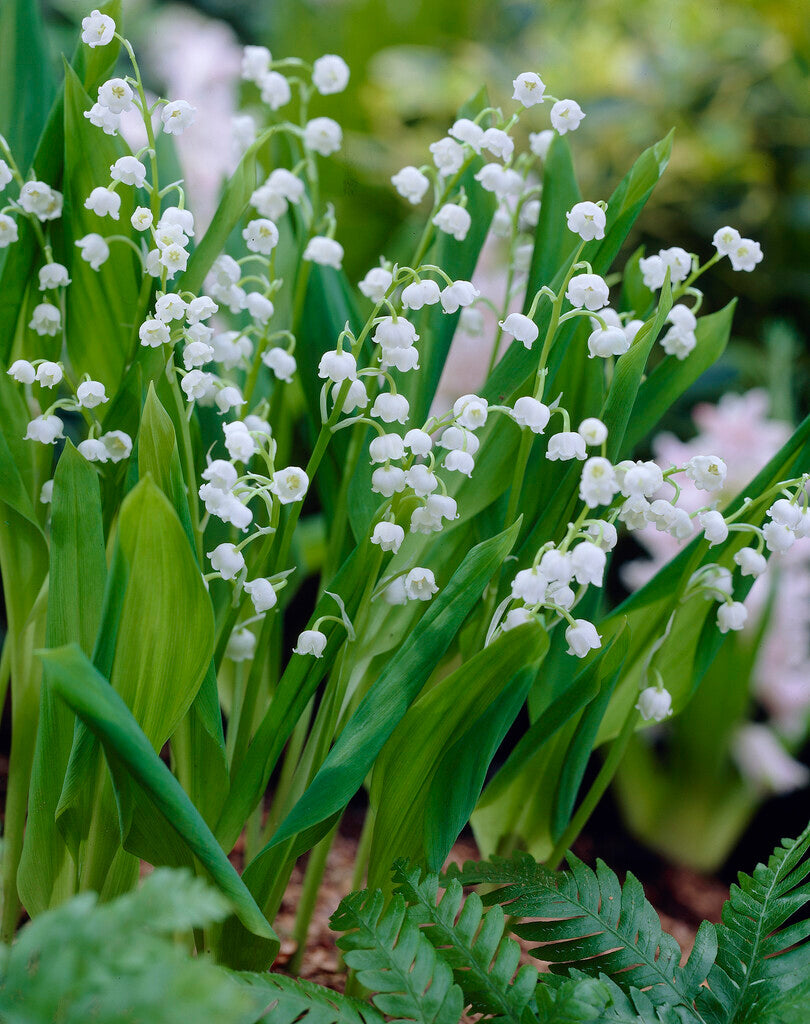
x: 237, y: 520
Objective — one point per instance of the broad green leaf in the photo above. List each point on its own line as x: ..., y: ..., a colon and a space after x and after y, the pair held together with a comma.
x: 386, y: 703
x: 459, y: 779
x: 26, y: 85
x: 102, y: 306
x: 404, y: 769
x: 76, y: 681
x: 553, y: 242
x: 78, y: 570
x: 672, y: 377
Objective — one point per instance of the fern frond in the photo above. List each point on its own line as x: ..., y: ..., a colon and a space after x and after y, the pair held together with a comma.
x: 484, y: 961
x: 288, y: 1000
x: 519, y: 869
x: 760, y: 958
x: 593, y: 922
x: 395, y: 960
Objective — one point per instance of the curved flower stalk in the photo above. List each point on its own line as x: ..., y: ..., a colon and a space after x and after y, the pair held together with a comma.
x: 245, y: 421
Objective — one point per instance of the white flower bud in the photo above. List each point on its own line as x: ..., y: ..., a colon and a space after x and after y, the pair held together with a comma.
x: 418, y: 442
x: 502, y: 182
x: 725, y: 239
x: 521, y: 327
x: 93, y: 449
x: 498, y: 143
x: 129, y: 171
x: 388, y: 480
x: 419, y: 294
x: 46, y: 492
x: 778, y: 538
x: 386, y: 447
x: 261, y: 236
x: 707, y: 472
x: 241, y: 645
x: 399, y: 333
x: 154, y: 333
x: 582, y: 637
x: 654, y: 704
x: 612, y: 341
x: 678, y: 342
x: 102, y: 117
x: 8, y: 231
x: 49, y: 374
x: 330, y: 74
x: 587, y: 291
x: 751, y: 562
x: 653, y: 271
x: 420, y: 479
x: 598, y: 484
x: 448, y: 156
x: 45, y: 429
x: 262, y: 594
x: 289, y: 484
x: 586, y: 220
x: 420, y: 585
x: 388, y: 536
x: 459, y: 462
x: 170, y: 307
x: 91, y: 393
x: 745, y: 254
x: 588, y: 561
x: 311, y: 641
x: 604, y: 534
x: 566, y: 116
x: 323, y: 135
x: 97, y: 29
x: 281, y: 363
x: 391, y: 408
x: 411, y: 184
x: 200, y: 309
x: 641, y: 478
x: 53, y: 275
x: 784, y: 512
x: 714, y: 527
x: 593, y: 431
x: 118, y: 445
x: 566, y: 445
x: 103, y: 202
x: 376, y: 283
x: 324, y: 251
x: 227, y: 561
x: 356, y: 397
x: 177, y: 116
x: 453, y: 220
x: 22, y: 371
x: 531, y: 413
x: 529, y: 89
x: 466, y: 131
x: 731, y: 616
x: 337, y: 366
x: 458, y: 294
x: 255, y: 62
x: 239, y: 443
x: 470, y: 411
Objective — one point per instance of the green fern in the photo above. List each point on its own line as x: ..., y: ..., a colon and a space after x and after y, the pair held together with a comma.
x: 763, y: 961
x: 593, y: 922
x: 473, y: 943
x: 395, y: 960
x: 291, y: 1000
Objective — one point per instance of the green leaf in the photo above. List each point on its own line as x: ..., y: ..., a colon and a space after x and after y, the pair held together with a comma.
x: 26, y: 85
x: 672, y: 377
x: 553, y: 242
x: 297, y: 1000
x: 763, y: 950
x: 404, y: 770
x: 472, y: 943
x: 78, y: 570
x: 386, y: 703
x: 76, y: 681
x: 459, y: 778
x: 392, y: 958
